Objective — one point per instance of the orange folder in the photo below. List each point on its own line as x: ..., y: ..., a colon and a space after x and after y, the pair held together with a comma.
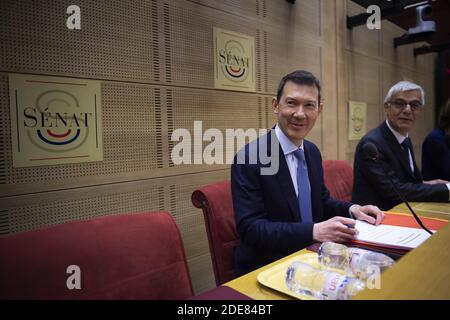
x: 402, y: 220
x: 407, y: 220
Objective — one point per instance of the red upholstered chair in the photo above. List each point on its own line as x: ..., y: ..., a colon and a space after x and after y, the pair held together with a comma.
x: 338, y: 176
x: 215, y: 200
x: 133, y: 256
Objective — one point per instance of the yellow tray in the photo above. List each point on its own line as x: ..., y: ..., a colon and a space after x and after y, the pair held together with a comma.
x: 275, y: 277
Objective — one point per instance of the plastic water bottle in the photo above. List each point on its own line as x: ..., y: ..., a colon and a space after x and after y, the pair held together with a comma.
x: 361, y: 263
x: 304, y: 279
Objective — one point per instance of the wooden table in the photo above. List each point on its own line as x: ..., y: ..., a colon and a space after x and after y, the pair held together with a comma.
x: 427, y: 209
x: 424, y: 273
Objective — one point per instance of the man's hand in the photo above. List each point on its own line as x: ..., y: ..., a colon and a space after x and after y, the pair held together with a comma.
x: 436, y: 181
x: 370, y: 214
x: 337, y: 229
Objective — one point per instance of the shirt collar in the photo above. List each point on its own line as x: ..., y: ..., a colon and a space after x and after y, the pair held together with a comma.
x: 400, y: 138
x: 286, y: 144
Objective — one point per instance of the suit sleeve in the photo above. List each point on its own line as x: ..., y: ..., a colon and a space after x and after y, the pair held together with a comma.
x: 333, y: 207
x: 378, y: 174
x: 253, y: 224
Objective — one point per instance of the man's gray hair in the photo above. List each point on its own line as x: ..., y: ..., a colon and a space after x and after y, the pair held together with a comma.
x: 404, y: 86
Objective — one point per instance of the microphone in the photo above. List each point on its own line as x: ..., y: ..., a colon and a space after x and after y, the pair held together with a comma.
x: 371, y: 152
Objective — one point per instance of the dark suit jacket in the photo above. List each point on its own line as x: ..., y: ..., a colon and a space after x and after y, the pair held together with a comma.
x: 372, y: 186
x: 267, y: 211
x: 436, y: 156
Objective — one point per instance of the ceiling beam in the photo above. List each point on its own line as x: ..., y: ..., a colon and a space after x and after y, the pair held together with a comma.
x: 388, y: 9
x: 430, y: 49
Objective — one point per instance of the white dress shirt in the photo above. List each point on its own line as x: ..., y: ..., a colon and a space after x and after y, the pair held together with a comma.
x: 288, y: 148
x: 400, y: 138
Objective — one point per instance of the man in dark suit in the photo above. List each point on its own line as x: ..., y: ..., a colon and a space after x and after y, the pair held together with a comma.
x: 436, y: 148
x: 280, y: 211
x: 403, y: 103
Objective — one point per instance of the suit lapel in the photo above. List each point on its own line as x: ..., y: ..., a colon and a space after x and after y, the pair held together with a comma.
x: 284, y: 179
x: 287, y: 187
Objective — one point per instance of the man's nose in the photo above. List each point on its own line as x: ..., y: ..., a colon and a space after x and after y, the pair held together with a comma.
x: 299, y: 111
x: 407, y: 108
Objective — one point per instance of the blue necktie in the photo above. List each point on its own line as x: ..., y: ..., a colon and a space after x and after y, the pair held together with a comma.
x: 304, y: 192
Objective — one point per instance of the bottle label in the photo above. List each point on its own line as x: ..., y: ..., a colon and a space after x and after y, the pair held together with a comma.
x: 335, y: 287
x: 356, y: 264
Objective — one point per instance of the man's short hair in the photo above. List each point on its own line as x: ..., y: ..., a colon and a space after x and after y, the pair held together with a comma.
x: 300, y: 77
x: 404, y: 86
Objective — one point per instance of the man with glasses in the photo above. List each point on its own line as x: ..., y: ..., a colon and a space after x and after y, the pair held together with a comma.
x: 287, y: 210
x: 403, y: 104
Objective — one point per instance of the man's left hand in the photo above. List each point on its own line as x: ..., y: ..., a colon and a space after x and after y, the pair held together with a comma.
x: 369, y: 213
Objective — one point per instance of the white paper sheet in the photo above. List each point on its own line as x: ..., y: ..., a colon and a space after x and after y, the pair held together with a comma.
x: 392, y: 236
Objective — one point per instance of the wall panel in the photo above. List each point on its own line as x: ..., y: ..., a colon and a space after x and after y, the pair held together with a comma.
x: 36, y: 40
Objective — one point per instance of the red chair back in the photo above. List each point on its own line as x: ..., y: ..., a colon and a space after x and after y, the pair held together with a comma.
x: 133, y: 256
x: 338, y: 176
x: 216, y: 203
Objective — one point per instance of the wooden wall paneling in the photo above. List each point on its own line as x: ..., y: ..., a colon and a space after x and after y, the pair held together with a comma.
x: 5, y: 132
x: 363, y: 78
x: 138, y: 122
x: 116, y: 39
x: 341, y: 79
x: 189, y: 42
x: 132, y: 143
x: 302, y: 19
x: 360, y: 39
x: 425, y: 63
x: 246, y: 9
x: 276, y: 61
x: 328, y: 58
x: 389, y: 53
x: 216, y: 109
x: 271, y: 117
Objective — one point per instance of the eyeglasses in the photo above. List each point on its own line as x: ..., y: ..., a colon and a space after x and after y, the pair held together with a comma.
x: 401, y: 105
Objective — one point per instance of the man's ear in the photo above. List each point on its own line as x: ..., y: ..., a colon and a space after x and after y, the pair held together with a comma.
x: 274, y: 105
x: 320, y: 107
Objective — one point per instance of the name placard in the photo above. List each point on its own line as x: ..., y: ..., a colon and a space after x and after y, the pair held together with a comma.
x: 54, y: 120
x: 234, y: 61
x: 357, y: 120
